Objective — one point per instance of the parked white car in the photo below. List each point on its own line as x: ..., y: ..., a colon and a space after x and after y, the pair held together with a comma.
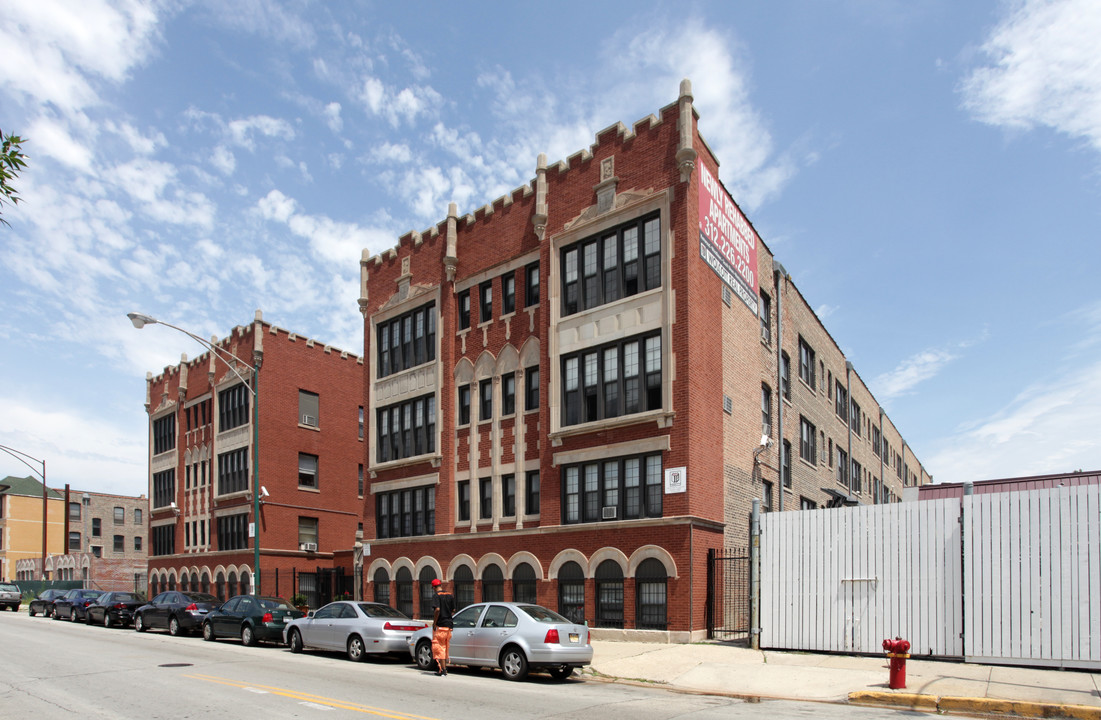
x: 516, y: 637
x: 356, y: 628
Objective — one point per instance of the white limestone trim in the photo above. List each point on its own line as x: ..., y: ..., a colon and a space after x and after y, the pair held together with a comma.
x: 632, y: 447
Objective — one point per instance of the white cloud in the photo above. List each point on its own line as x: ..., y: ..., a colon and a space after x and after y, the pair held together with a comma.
x: 332, y: 117
x: 911, y: 372
x: 1044, y: 69
x: 153, y: 184
x: 387, y: 152
x: 223, y: 160
x: 54, y: 50
x: 396, y: 106
x: 242, y: 131
x: 331, y: 241
x: 139, y: 143
x: 52, y: 139
x: 1050, y: 427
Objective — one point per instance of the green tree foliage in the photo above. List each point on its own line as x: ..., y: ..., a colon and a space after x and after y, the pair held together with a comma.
x: 12, y: 160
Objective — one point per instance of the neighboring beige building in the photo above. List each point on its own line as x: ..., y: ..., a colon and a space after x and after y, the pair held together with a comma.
x: 107, y: 545
x: 21, y: 524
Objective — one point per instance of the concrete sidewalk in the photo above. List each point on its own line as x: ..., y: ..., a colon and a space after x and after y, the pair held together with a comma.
x: 725, y: 669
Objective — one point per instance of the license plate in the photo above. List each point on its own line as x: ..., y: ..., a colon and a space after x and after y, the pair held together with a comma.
x: 574, y: 637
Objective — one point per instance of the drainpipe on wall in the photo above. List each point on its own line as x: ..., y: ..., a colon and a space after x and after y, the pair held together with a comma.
x: 849, y: 422
x: 882, y: 494
x: 778, y: 274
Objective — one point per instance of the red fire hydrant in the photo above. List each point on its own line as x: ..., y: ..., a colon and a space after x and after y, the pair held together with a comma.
x: 897, y: 652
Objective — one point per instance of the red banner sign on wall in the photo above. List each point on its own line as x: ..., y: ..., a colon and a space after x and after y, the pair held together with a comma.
x: 728, y: 243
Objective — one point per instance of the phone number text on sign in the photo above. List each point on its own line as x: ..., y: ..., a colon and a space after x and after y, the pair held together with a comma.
x: 726, y: 229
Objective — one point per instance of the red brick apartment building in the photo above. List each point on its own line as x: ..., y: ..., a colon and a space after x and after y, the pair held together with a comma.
x: 311, y: 472
x: 566, y: 401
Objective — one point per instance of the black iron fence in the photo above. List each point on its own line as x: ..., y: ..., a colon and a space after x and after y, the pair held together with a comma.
x: 728, y: 591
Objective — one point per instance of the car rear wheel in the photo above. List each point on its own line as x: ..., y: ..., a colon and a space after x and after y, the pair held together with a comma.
x: 356, y: 651
x: 294, y: 640
x: 30, y: 611
x: 561, y: 672
x: 139, y: 623
x: 106, y: 619
x: 424, y: 655
x: 513, y: 663
x: 248, y: 637
x: 208, y: 632
x: 174, y: 626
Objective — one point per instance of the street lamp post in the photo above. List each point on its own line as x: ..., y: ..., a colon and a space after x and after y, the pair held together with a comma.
x: 23, y: 457
x: 141, y: 321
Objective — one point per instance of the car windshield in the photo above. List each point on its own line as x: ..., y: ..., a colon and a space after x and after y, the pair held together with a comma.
x: 4, y: 587
x: 542, y: 614
x: 200, y: 597
x: 381, y: 611
x: 269, y: 603
x: 126, y: 597
x: 92, y: 593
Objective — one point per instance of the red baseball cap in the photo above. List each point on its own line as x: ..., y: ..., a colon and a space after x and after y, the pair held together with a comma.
x: 435, y: 582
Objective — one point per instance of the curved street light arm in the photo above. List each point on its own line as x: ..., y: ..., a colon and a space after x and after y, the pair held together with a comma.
x: 19, y: 455
x: 222, y: 354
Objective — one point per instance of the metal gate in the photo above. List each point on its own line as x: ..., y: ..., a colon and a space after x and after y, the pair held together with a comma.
x: 728, y: 594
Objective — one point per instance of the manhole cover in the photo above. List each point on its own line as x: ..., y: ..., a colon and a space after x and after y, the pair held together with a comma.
x: 175, y: 665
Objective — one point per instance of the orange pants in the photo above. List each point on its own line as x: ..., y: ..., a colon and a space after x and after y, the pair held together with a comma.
x: 441, y: 643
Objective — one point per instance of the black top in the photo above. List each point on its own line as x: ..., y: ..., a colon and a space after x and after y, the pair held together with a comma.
x: 444, y: 605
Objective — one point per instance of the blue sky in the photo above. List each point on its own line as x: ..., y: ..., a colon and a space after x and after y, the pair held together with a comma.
x: 928, y: 172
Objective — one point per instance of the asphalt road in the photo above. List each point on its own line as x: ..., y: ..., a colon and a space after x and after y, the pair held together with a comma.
x: 56, y: 669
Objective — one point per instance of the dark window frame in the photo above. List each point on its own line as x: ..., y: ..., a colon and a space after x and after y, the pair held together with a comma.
x: 615, y: 263
x: 589, y: 487
x: 588, y: 385
x: 406, y: 513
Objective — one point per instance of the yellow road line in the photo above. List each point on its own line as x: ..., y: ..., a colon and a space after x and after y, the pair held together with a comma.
x: 298, y: 695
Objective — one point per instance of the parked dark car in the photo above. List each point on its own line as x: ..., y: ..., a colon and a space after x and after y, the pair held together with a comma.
x: 44, y: 603
x: 10, y: 596
x: 178, y: 611
x: 251, y: 618
x: 71, y: 605
x: 113, y: 608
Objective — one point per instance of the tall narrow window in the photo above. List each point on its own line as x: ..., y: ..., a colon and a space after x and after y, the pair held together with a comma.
x: 485, y: 498
x: 485, y: 410
x: 485, y: 305
x: 590, y: 278
x: 785, y: 375
x: 508, y: 495
x: 531, y: 285
x: 764, y: 312
x: 650, y: 595
x: 308, y: 408
x: 806, y: 363
x: 464, y: 404
x: 531, y: 388
x: 609, y: 595
x: 464, y: 500
x: 508, y: 394
x: 808, y: 441
x: 464, y: 309
x: 571, y: 592
x: 508, y: 293
x: 766, y: 410
x: 531, y: 493
x: 569, y: 274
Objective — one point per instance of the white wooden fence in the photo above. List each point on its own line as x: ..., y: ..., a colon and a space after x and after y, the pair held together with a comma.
x: 1007, y: 577
x: 845, y: 579
x: 1032, y: 573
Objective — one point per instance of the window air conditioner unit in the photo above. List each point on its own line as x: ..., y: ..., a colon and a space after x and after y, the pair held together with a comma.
x: 765, y: 334
x: 609, y: 512
x: 309, y: 420
x: 309, y: 547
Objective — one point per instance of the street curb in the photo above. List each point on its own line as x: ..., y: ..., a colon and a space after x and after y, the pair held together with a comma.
x: 1017, y: 708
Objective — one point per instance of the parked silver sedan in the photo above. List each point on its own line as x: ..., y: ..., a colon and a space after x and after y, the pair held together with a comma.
x: 357, y: 628
x: 516, y: 637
